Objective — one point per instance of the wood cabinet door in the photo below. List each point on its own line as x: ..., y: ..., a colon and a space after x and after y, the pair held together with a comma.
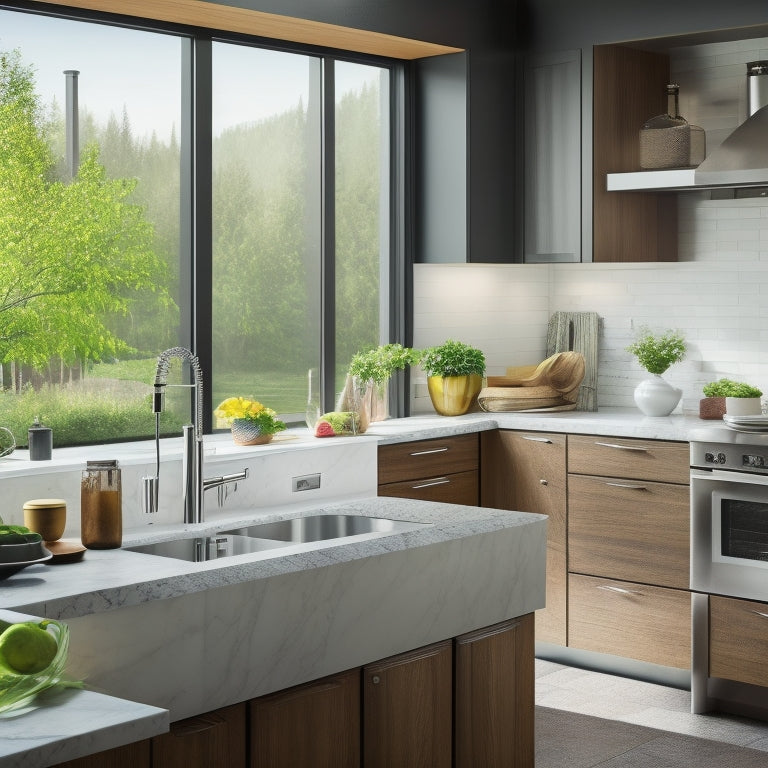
x: 738, y: 640
x: 632, y: 620
x: 458, y: 488
x: 526, y: 471
x: 427, y: 458
x: 136, y: 755
x: 215, y: 738
x: 632, y: 530
x: 317, y: 724
x: 408, y: 709
x: 494, y: 696
x: 657, y: 460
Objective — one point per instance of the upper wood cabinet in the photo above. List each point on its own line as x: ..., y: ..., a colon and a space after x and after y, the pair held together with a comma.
x: 526, y: 471
x: 628, y: 88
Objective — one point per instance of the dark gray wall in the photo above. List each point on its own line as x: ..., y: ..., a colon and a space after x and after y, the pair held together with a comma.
x: 466, y: 190
x: 555, y: 25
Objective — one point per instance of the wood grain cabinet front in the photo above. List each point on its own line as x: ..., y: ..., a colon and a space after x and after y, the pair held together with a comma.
x: 316, y: 724
x: 629, y: 548
x: 494, y: 696
x: 444, y: 470
x: 136, y: 755
x: 636, y: 621
x: 526, y: 471
x: 408, y: 709
x: 738, y: 640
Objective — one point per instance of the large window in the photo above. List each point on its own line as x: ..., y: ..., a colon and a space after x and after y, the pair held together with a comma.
x: 101, y: 266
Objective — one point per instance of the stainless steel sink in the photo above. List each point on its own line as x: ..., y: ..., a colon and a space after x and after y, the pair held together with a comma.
x: 323, y: 527
x: 201, y: 549
x: 262, y: 537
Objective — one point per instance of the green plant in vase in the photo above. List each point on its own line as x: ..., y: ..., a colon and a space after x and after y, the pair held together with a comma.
x: 372, y: 369
x: 454, y: 375
x: 656, y: 352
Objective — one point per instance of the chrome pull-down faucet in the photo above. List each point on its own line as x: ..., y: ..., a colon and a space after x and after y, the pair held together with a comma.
x: 193, y: 483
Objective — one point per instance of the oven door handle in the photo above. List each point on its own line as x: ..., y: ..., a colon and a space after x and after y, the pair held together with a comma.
x: 742, y: 478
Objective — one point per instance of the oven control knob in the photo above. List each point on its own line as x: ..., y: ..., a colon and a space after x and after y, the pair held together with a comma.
x: 709, y: 457
x: 721, y: 458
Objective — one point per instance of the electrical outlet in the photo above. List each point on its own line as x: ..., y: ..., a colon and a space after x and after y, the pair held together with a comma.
x: 306, y: 482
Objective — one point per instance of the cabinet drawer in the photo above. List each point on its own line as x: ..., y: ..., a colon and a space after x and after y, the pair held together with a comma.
x: 458, y: 488
x: 738, y: 640
x: 427, y: 458
x: 636, y: 621
x: 631, y: 530
x: 664, y: 462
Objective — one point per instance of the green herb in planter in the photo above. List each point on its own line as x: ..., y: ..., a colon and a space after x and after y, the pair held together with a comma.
x: 656, y: 352
x: 730, y: 388
x: 378, y: 364
x: 452, y: 358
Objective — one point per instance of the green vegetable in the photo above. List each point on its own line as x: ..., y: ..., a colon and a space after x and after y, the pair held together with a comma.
x: 729, y: 388
x: 18, y: 534
x: 27, y: 648
x: 342, y: 422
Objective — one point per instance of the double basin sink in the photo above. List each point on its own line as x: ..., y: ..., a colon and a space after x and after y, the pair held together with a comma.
x: 261, y: 537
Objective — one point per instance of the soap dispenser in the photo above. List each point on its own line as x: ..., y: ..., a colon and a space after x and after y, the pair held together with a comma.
x: 40, y: 441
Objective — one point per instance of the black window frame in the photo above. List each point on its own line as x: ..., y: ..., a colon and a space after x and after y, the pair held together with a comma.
x: 195, y: 251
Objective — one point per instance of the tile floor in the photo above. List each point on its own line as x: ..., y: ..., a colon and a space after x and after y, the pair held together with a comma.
x: 586, y: 719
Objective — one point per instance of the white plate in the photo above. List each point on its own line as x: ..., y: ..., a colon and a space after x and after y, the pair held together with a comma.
x: 747, y: 421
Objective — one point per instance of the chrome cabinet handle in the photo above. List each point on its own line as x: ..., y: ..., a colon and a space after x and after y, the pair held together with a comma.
x: 623, y: 447
x: 538, y: 439
x: 544, y: 482
x: 759, y: 613
x: 430, y: 483
x: 629, y: 486
x: 620, y: 590
x: 432, y: 450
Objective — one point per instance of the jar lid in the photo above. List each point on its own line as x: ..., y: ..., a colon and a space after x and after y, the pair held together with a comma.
x: 44, y: 503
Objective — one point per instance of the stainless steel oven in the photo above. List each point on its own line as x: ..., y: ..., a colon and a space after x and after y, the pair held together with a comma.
x: 729, y: 513
x: 729, y: 550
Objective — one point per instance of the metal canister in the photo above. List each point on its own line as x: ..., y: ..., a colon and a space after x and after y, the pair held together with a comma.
x: 40, y: 441
x: 101, y: 506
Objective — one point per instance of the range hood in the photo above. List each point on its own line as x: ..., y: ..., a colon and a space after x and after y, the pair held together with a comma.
x: 741, y: 161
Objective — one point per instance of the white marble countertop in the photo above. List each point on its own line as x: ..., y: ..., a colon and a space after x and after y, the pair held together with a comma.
x: 613, y: 422
x: 67, y: 723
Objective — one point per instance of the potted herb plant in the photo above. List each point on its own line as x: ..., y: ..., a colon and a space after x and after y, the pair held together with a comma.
x: 656, y: 353
x: 732, y: 397
x: 373, y: 369
x: 454, y: 375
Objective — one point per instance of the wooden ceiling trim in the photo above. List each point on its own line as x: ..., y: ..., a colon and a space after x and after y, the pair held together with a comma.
x: 197, y: 13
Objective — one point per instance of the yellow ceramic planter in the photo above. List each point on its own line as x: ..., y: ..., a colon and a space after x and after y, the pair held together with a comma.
x: 454, y: 395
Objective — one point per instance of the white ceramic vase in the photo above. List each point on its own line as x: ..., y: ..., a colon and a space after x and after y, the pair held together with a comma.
x: 656, y: 396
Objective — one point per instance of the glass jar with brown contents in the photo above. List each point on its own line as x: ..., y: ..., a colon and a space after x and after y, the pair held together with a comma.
x: 101, y: 515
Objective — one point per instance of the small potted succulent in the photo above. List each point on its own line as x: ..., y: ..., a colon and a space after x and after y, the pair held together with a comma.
x: 251, y: 422
x: 454, y: 375
x: 732, y: 397
x: 656, y: 353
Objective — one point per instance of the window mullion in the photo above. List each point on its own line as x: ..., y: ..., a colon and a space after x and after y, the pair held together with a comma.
x: 328, y: 229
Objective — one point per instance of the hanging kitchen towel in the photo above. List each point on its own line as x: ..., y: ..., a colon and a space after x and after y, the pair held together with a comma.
x: 578, y: 332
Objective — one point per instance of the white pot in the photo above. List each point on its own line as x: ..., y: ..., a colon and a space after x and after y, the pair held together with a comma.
x: 743, y: 406
x: 657, y: 397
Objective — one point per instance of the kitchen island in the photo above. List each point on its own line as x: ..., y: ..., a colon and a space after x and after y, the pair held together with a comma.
x: 194, y: 637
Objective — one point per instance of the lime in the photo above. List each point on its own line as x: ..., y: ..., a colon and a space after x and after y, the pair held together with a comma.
x: 26, y: 649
